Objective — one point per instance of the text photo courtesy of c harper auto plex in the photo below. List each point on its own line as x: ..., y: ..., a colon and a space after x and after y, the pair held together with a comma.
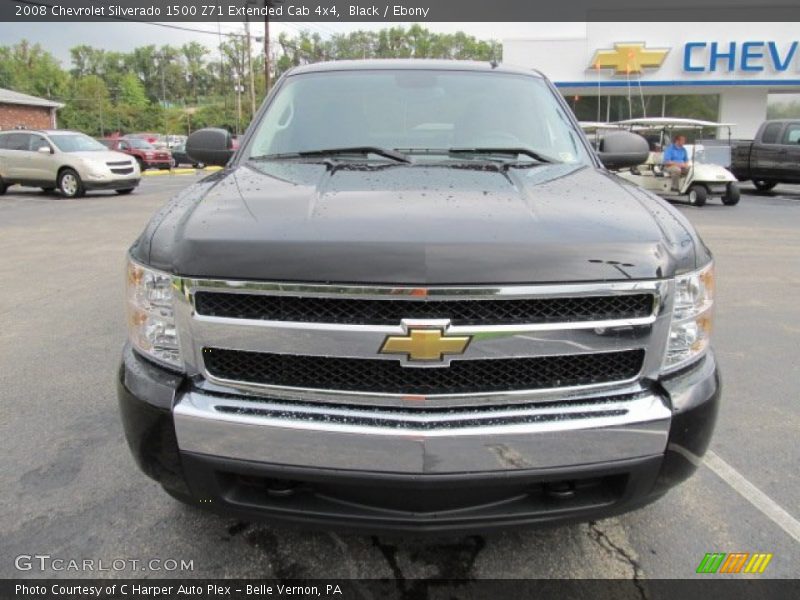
x: 319, y: 298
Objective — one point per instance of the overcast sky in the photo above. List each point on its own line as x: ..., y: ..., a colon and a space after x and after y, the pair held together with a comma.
x: 58, y: 38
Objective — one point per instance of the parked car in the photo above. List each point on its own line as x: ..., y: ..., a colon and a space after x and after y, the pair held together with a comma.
x: 175, y: 140
x: 68, y: 161
x: 145, y: 154
x: 180, y: 157
x: 157, y: 140
x: 773, y: 157
x: 431, y: 310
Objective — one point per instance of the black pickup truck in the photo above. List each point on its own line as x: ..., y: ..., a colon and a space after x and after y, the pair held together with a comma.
x: 415, y: 299
x: 773, y: 157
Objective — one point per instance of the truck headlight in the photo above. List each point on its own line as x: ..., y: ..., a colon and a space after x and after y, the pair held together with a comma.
x: 692, y: 317
x: 151, y: 317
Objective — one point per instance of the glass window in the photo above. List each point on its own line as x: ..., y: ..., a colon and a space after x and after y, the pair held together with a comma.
x: 771, y: 133
x: 18, y: 141
x: 792, y: 135
x: 36, y: 142
x: 139, y: 144
x: 77, y: 142
x: 639, y: 104
x: 417, y: 110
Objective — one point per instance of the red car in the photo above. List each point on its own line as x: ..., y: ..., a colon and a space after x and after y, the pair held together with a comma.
x: 146, y: 155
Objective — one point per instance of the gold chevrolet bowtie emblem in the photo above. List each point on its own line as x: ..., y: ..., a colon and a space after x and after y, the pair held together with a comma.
x: 425, y: 344
x: 629, y: 58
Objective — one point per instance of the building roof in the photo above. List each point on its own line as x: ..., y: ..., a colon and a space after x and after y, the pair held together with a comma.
x: 12, y: 97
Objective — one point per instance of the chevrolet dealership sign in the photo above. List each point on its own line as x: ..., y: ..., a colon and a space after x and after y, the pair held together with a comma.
x: 663, y: 59
x: 747, y: 57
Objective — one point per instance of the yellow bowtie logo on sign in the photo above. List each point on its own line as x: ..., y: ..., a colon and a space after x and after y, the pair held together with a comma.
x: 629, y: 58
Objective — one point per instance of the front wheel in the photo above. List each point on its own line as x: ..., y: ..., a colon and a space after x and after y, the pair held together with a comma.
x: 3, y: 187
x: 70, y: 184
x: 732, y: 194
x: 141, y: 164
x: 698, y: 195
x: 125, y: 192
x: 763, y: 185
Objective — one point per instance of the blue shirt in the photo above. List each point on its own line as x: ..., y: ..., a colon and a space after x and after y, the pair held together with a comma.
x: 675, y: 154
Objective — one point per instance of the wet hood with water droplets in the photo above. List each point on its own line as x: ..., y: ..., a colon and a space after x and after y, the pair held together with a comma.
x: 418, y: 224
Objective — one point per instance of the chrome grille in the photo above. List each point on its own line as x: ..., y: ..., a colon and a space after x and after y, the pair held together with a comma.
x: 321, y: 343
x: 391, y: 311
x: 389, y: 377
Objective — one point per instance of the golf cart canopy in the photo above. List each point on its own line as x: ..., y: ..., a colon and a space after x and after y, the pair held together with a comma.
x: 589, y: 126
x: 671, y: 123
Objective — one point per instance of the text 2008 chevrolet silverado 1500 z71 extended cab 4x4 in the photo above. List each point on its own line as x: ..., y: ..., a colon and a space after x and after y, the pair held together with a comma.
x: 416, y: 300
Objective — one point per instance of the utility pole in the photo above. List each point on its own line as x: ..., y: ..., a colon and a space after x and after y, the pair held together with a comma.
x: 239, y: 89
x: 266, y: 49
x: 250, y: 68
x: 268, y: 4
x: 163, y: 57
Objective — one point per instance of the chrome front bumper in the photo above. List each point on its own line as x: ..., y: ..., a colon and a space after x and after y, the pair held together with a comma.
x: 533, y: 436
x: 501, y: 431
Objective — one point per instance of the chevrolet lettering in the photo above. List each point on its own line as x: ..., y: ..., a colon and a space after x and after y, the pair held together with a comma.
x: 416, y: 298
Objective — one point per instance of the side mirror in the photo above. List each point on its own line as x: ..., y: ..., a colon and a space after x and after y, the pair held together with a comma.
x: 621, y: 149
x: 210, y: 146
x: 44, y: 150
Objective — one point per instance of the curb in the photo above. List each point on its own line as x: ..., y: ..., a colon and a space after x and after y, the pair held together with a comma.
x: 180, y: 171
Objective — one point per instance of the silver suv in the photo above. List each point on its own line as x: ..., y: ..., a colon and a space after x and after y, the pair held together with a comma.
x: 69, y: 161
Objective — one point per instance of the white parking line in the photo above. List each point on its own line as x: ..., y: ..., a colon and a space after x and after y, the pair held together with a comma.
x: 753, y: 495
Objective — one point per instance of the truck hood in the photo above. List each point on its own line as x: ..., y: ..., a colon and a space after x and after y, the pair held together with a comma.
x: 465, y: 223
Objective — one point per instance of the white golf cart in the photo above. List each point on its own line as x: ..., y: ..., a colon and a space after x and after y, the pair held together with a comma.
x: 707, y: 175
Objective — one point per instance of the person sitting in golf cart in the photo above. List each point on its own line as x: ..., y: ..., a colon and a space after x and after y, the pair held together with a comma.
x: 676, y: 161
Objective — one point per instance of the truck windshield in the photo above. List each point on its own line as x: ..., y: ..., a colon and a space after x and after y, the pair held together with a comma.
x: 77, y: 142
x: 461, y: 114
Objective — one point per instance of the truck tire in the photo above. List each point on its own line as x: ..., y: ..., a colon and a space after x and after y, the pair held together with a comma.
x: 141, y: 164
x: 70, y: 184
x: 764, y: 185
x: 3, y: 187
x: 698, y: 195
x: 731, y: 195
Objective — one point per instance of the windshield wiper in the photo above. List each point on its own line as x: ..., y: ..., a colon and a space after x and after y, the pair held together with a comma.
x: 385, y: 152
x: 511, y: 151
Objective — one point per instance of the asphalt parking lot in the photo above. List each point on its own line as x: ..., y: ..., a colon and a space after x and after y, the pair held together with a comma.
x: 70, y: 488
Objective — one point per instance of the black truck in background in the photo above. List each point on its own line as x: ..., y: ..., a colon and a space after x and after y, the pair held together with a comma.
x: 773, y: 157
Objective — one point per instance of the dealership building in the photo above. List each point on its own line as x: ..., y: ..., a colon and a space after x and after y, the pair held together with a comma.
x: 614, y: 71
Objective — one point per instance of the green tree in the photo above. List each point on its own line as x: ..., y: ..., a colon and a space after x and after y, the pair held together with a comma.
x: 88, y: 107
x: 131, y: 92
x: 197, y: 74
x: 30, y: 69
